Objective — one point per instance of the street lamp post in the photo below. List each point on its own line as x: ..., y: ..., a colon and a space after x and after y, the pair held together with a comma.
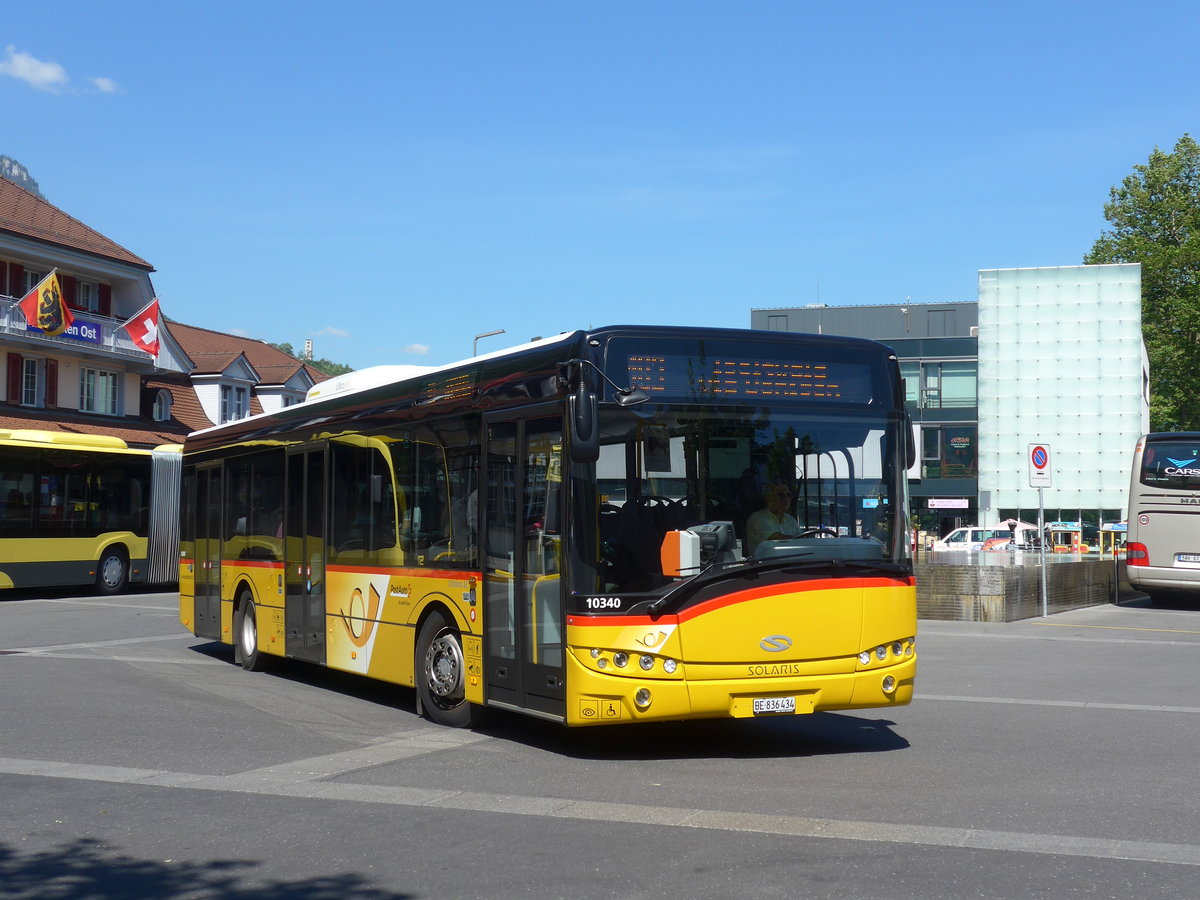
x: 475, y: 346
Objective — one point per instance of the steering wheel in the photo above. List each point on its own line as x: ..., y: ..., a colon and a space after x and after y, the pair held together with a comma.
x: 818, y: 532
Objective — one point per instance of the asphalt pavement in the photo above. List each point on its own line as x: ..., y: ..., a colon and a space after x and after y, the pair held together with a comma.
x: 1047, y: 758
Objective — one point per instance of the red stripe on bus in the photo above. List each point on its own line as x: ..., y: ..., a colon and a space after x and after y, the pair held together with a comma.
x: 700, y: 609
x: 444, y: 574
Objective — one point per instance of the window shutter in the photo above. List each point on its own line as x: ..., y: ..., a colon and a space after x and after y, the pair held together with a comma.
x: 70, y: 289
x: 51, y: 383
x: 16, y: 280
x: 106, y: 300
x: 4, y: 279
x: 14, y: 378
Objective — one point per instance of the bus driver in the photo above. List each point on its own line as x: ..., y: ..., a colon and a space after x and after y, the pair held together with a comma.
x: 774, y: 523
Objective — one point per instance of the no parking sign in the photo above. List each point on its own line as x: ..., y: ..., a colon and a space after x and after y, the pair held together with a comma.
x: 1039, y: 465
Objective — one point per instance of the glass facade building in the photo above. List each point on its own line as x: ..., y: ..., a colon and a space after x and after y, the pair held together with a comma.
x: 1050, y: 355
x: 1061, y: 362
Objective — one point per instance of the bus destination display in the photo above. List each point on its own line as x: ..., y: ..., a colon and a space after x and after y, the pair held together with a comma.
x: 755, y: 378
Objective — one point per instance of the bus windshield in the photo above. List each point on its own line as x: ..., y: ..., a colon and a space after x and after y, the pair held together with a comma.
x: 1171, y: 464
x: 751, y: 483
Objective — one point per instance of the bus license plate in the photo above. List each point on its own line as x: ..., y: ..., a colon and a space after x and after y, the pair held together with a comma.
x: 1187, y: 557
x: 768, y: 705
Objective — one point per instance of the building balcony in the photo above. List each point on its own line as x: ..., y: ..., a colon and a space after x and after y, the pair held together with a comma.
x: 89, y: 335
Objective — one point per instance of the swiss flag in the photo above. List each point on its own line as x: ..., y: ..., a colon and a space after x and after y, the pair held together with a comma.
x: 143, y: 328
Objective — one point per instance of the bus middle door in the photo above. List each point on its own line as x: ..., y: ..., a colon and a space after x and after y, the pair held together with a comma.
x: 207, y: 565
x: 304, y: 554
x: 522, y: 527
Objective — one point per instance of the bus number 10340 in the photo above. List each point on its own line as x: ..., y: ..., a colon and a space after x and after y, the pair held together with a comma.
x: 602, y: 602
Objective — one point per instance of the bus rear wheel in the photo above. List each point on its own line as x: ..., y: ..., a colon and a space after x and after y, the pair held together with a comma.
x: 246, y: 634
x: 441, y: 673
x: 112, y: 571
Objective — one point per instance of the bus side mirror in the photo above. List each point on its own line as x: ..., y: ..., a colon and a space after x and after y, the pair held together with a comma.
x: 584, y: 424
x: 910, y: 442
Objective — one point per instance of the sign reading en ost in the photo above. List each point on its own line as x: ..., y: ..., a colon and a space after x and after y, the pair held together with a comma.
x: 87, y: 332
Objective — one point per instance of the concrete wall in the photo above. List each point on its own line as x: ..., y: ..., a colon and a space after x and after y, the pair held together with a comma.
x: 971, y: 592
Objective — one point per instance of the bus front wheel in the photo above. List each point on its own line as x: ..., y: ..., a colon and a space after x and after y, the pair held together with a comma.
x: 441, y: 673
x: 112, y: 572
x: 246, y: 631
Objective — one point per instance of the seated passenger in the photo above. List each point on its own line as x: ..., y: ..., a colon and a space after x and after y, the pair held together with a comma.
x: 774, y: 523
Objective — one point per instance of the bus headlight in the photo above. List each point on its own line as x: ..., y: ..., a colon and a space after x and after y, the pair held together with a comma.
x: 620, y: 659
x: 865, y: 657
x: 646, y: 661
x: 669, y: 666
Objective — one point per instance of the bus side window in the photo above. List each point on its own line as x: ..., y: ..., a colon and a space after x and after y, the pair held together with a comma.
x: 464, y: 506
x: 362, y: 521
x: 432, y: 532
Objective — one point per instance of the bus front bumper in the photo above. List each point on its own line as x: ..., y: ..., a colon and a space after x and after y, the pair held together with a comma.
x: 598, y: 699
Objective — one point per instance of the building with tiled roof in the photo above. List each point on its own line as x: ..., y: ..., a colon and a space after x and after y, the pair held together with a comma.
x: 88, y: 379
x: 232, y: 377
x: 93, y: 378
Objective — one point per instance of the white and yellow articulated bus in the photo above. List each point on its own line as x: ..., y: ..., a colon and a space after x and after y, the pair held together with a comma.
x: 576, y: 529
x: 81, y: 509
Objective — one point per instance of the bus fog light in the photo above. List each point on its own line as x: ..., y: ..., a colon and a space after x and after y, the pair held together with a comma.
x: 889, y: 684
x: 620, y: 659
x: 642, y: 698
x: 669, y: 666
x: 646, y: 662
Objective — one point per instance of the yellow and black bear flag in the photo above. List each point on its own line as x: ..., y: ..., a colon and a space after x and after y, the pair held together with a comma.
x: 45, y: 308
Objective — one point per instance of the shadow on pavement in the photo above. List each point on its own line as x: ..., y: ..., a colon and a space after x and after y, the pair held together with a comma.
x: 87, y: 868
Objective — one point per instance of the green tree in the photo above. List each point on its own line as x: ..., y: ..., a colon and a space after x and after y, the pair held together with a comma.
x: 321, y: 365
x: 1155, y: 218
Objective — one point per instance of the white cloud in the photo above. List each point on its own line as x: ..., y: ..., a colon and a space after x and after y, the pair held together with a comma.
x: 105, y: 85
x: 45, y: 76
x: 330, y: 331
x: 417, y: 349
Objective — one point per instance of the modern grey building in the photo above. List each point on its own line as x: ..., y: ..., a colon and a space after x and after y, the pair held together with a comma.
x: 1045, y: 355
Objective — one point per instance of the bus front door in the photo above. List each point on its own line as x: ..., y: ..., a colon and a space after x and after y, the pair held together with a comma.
x: 304, y: 554
x: 522, y: 526
x: 207, y: 567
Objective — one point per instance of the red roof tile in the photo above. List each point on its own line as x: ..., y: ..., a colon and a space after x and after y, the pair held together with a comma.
x: 185, y: 407
x: 29, y: 215
x: 213, y: 351
x: 131, y: 431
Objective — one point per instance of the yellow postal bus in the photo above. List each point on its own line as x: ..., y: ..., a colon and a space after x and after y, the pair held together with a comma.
x: 86, y: 509
x: 563, y: 529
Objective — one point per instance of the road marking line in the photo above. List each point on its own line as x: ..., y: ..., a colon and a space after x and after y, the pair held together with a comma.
x: 1115, y: 627
x: 1075, y: 704
x: 87, y: 602
x: 278, y: 782
x: 92, y: 645
x: 923, y: 631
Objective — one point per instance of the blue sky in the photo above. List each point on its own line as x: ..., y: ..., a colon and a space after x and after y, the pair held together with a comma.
x: 391, y: 179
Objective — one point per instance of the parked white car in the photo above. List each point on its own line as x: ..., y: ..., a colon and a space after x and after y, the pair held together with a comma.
x: 970, y: 538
